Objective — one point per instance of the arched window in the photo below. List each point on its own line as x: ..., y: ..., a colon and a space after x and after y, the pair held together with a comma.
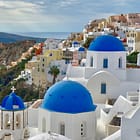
x: 83, y: 129
x: 120, y: 63
x: 7, y: 136
x: 62, y: 129
x: 105, y: 63
x: 26, y: 134
x: 43, y: 125
x: 18, y: 121
x: 7, y: 121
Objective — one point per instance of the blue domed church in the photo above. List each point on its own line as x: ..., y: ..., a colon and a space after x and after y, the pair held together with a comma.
x: 104, y: 72
x: 13, y: 118
x: 105, y: 66
x: 68, y: 109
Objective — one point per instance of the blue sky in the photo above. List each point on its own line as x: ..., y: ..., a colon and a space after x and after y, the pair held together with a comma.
x: 58, y: 15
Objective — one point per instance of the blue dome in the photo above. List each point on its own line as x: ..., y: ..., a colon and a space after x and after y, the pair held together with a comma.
x: 12, y: 102
x: 75, y: 43
x: 68, y: 97
x: 81, y: 49
x: 106, y: 43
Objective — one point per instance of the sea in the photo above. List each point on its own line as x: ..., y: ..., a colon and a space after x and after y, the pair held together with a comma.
x: 52, y: 35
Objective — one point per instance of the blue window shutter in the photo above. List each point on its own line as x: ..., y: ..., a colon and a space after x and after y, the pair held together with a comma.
x: 91, y: 61
x: 120, y: 62
x: 103, y: 88
x: 105, y: 63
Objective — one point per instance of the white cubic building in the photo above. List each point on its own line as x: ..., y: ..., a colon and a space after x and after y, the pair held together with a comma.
x: 67, y: 109
x: 105, y: 73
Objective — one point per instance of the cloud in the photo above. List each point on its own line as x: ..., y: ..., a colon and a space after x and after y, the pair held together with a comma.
x: 59, y: 14
x: 16, y: 4
x: 18, y: 11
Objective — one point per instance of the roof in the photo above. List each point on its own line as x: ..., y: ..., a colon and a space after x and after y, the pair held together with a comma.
x: 132, y: 112
x: 46, y: 136
x: 81, y: 49
x: 106, y: 43
x: 12, y: 102
x: 75, y: 43
x: 68, y: 97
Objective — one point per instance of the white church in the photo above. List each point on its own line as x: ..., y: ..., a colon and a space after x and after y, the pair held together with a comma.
x: 104, y: 73
x: 67, y: 109
x: 75, y: 109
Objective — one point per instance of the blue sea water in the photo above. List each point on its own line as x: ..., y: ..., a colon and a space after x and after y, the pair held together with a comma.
x: 54, y: 35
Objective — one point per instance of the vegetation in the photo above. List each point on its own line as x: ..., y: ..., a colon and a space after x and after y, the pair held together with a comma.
x: 7, y: 76
x: 54, y: 71
x: 87, y: 42
x: 11, y: 52
x: 132, y: 58
x: 26, y: 92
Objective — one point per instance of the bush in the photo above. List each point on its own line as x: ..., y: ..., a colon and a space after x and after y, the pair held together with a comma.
x: 132, y: 58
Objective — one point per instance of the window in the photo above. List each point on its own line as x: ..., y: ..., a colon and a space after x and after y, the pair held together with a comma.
x: 91, y: 61
x: 62, y: 129
x: 120, y: 63
x: 105, y: 63
x: 103, y: 88
x: 67, y: 61
x: 83, y: 129
x: 26, y: 134
x: 7, y: 122
x: 18, y: 121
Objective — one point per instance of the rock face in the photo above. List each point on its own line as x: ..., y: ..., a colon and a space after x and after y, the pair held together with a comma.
x: 13, y: 51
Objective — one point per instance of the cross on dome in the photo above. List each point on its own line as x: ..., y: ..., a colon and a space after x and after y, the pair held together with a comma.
x: 13, y: 89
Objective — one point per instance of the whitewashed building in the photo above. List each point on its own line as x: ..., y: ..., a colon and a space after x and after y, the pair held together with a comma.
x: 130, y: 128
x: 13, y: 118
x: 68, y: 109
x: 105, y: 73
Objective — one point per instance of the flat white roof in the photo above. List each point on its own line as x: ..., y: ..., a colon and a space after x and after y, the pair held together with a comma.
x: 46, y: 136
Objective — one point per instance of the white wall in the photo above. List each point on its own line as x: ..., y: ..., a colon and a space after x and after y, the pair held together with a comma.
x: 115, y: 136
x: 114, y: 87
x: 94, y: 85
x: 33, y: 117
x: 123, y: 88
x: 17, y: 132
x: 113, y: 58
x: 47, y: 116
x: 72, y: 123
x: 76, y: 72
x: 133, y: 74
x: 121, y: 105
x: 130, y: 126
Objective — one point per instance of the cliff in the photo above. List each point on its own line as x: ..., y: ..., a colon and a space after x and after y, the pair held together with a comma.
x: 12, y: 51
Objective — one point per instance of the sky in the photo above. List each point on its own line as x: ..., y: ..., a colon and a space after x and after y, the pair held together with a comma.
x: 58, y: 15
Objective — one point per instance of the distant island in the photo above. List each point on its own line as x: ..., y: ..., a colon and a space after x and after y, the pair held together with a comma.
x: 12, y: 38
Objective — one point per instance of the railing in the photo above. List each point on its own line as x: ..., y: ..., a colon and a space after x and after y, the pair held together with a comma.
x: 133, y: 97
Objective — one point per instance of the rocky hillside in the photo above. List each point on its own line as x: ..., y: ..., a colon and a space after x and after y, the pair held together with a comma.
x: 12, y: 51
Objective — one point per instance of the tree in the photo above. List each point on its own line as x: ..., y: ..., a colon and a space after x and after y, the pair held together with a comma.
x: 54, y: 71
x: 87, y: 42
x: 132, y: 58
